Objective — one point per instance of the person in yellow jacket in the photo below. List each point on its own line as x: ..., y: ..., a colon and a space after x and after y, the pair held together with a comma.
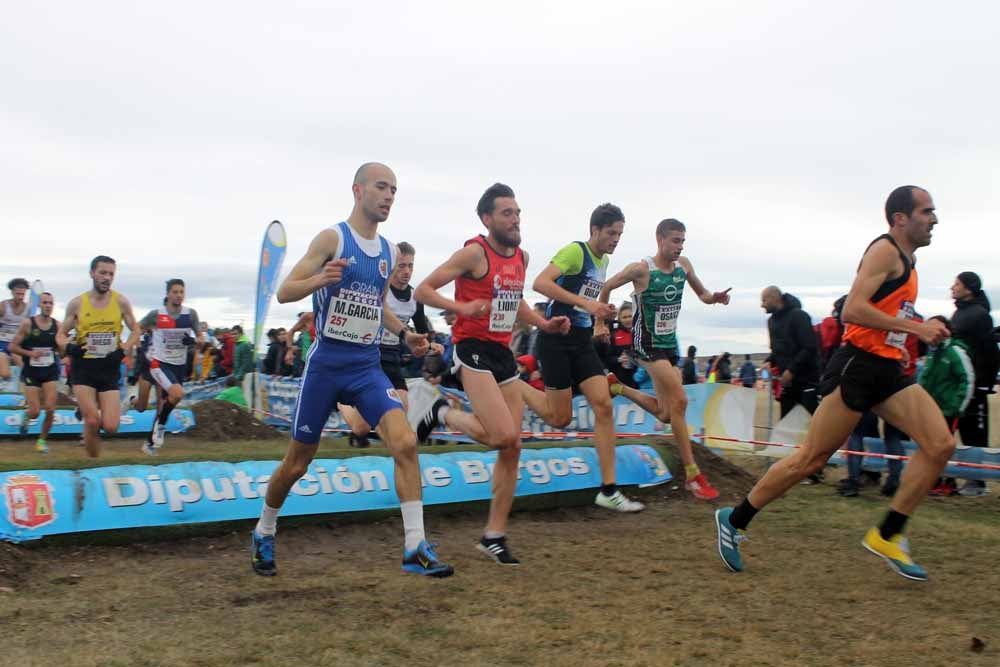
x: 96, y: 318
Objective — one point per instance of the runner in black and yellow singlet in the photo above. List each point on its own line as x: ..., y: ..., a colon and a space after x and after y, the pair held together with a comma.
x: 35, y: 341
x: 866, y: 374
x: 96, y: 318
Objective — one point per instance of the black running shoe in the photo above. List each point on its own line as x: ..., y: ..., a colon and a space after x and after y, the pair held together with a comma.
x: 496, y: 548
x: 430, y: 419
x: 359, y: 441
x: 262, y: 554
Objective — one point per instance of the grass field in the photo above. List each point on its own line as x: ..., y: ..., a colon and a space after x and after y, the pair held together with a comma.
x: 595, y: 588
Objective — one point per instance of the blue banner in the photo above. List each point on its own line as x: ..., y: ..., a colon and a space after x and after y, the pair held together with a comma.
x: 11, y: 400
x: 203, y: 390
x: 49, y: 502
x: 272, y: 254
x: 277, y: 396
x: 36, y: 293
x: 66, y: 422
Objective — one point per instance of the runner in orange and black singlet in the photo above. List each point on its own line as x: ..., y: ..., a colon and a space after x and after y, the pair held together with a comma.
x: 867, y: 367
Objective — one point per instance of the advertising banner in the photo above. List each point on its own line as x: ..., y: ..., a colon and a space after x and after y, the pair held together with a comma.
x: 66, y: 422
x: 48, y: 502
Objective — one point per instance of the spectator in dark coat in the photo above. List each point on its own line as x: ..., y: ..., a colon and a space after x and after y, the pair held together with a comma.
x: 689, y: 369
x: 794, y: 349
x: 973, y: 325
x: 748, y: 373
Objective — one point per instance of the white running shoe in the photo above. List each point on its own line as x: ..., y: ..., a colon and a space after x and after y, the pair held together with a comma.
x: 158, y: 432
x: 148, y: 449
x: 618, y: 502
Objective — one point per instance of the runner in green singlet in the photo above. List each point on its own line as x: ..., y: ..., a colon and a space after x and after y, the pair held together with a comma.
x: 659, y: 287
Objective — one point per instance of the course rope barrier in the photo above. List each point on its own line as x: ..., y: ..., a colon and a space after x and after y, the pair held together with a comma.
x: 585, y: 435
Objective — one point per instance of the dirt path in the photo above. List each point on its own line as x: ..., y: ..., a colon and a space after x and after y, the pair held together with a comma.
x: 595, y: 589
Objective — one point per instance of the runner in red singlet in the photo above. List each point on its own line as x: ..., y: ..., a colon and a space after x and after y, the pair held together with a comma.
x: 489, y: 279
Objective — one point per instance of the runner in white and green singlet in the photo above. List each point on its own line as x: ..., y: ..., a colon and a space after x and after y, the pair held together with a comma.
x: 659, y: 286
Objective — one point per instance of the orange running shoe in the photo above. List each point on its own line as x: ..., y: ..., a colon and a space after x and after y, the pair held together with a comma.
x: 701, y: 488
x: 615, y: 385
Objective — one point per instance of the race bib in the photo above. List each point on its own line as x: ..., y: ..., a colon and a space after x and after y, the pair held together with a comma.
x: 173, y: 351
x: 354, y: 317
x: 101, y: 344
x: 45, y: 360
x: 503, y: 314
x: 897, y: 339
x: 590, y: 290
x: 7, y: 332
x: 665, y: 321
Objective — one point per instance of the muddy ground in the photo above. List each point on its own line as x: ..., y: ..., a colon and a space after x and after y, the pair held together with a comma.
x: 595, y: 588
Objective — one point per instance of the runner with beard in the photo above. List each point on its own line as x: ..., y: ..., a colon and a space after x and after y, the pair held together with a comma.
x: 488, y: 273
x: 573, y: 281
x: 864, y: 374
x: 96, y: 350
x: 659, y: 286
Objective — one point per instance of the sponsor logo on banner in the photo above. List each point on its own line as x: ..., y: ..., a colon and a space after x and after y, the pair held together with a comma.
x: 29, y: 501
x: 651, y: 459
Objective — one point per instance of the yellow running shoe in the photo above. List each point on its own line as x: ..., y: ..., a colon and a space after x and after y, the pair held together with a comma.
x: 896, y: 552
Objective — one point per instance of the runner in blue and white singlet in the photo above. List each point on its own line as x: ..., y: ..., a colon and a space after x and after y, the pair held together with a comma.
x: 346, y: 271
x: 13, y: 312
x: 173, y: 330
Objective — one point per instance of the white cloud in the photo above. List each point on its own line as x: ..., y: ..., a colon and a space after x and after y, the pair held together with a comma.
x: 169, y: 135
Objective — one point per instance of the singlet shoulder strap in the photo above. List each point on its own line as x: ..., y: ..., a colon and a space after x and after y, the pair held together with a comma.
x: 650, y: 263
x: 890, y: 286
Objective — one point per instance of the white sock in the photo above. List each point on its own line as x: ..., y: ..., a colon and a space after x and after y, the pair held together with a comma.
x: 268, y: 524
x: 442, y: 411
x: 413, y: 523
x: 492, y: 535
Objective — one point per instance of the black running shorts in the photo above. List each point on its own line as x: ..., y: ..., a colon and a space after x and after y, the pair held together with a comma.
x: 484, y: 356
x: 568, y: 360
x: 36, y: 376
x: 394, y: 372
x: 96, y: 373
x: 865, y: 379
x: 659, y: 354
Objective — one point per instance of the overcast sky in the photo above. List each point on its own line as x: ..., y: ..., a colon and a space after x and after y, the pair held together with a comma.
x: 168, y: 135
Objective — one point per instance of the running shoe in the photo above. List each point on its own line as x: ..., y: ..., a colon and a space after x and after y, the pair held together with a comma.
x: 945, y: 487
x: 41, y: 446
x: 701, y: 488
x: 896, y: 552
x: 262, y: 554
x: 427, y: 420
x: 973, y: 488
x: 25, y: 423
x: 848, y: 488
x: 359, y: 441
x: 729, y: 540
x: 149, y: 449
x: 423, y: 560
x: 496, y: 548
x: 618, y: 502
x: 158, y: 431
x: 615, y: 385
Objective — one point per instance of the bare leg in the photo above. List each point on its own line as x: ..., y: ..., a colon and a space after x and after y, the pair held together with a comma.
x: 402, y: 445
x: 359, y: 427
x: 297, y: 458
x: 32, y: 401
x: 111, y: 410
x: 595, y: 388
x: 49, y: 405
x: 505, y: 471
x: 672, y: 401
x: 914, y: 412
x: 4, y: 366
x: 830, y: 426
x: 86, y: 400
x: 646, y: 402
x: 142, y: 396
x: 554, y: 406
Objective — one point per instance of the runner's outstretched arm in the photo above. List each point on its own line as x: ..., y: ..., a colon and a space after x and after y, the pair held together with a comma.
x: 464, y: 261
x: 699, y: 288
